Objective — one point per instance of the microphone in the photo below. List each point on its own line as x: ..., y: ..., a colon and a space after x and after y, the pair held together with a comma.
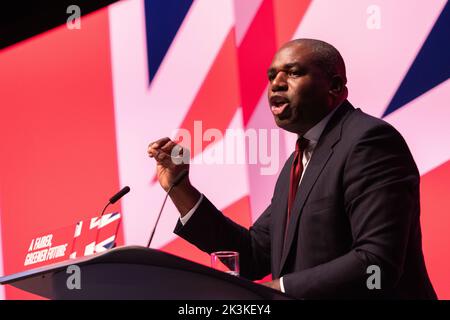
x: 116, y: 198
x: 175, y: 182
x: 112, y: 200
x: 119, y: 194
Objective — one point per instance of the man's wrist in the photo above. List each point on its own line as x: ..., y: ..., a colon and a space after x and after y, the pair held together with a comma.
x: 184, y: 219
x: 184, y: 196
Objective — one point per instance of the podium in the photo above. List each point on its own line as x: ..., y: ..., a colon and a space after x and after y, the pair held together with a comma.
x: 134, y: 272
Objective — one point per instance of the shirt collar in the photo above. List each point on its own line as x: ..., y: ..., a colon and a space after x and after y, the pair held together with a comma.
x: 313, y: 134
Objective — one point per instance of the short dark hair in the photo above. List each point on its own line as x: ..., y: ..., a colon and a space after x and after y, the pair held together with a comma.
x: 326, y: 56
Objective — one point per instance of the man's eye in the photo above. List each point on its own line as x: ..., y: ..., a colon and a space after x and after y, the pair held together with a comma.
x: 294, y: 73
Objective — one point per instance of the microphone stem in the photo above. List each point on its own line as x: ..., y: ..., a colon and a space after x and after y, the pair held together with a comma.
x: 177, y: 180
x: 99, y: 224
x: 104, y: 209
x: 159, y: 216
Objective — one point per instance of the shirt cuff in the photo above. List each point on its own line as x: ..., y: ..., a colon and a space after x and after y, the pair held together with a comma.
x: 184, y: 219
x: 282, y: 285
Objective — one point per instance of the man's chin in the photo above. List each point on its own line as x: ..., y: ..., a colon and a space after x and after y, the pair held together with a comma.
x: 290, y: 125
x: 286, y: 124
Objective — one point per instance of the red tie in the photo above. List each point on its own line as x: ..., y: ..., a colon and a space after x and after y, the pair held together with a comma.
x: 296, y: 173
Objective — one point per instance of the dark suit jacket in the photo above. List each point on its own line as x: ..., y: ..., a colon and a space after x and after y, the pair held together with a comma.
x: 357, y: 205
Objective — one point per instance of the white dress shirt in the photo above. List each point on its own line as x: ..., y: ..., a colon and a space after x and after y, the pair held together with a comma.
x: 312, y: 135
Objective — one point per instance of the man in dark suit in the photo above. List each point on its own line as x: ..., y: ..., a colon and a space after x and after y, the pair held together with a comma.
x: 346, y: 203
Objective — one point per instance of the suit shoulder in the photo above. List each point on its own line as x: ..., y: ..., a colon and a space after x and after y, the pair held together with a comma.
x: 360, y: 124
x: 362, y: 131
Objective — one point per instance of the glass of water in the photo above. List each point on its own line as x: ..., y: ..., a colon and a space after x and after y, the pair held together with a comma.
x: 226, y: 261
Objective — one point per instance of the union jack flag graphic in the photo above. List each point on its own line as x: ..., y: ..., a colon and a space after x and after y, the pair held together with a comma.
x: 143, y: 68
x: 95, y: 235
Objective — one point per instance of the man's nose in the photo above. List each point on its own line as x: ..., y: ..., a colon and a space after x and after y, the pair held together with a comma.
x: 279, y: 83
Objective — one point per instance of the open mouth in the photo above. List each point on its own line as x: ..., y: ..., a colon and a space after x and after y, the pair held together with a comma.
x: 279, y: 109
x: 278, y: 105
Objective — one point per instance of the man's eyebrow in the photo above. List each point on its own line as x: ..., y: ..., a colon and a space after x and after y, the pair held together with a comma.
x: 285, y: 67
x: 270, y: 70
x: 292, y: 64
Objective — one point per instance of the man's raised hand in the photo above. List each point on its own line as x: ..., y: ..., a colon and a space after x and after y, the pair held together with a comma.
x: 170, y: 158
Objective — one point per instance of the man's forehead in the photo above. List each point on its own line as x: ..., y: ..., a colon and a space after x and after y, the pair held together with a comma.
x: 291, y: 53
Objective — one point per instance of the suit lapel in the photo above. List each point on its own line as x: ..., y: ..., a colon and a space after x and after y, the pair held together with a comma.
x: 320, y: 157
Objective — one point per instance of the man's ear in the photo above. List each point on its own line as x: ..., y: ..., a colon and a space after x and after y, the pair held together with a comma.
x: 337, y: 86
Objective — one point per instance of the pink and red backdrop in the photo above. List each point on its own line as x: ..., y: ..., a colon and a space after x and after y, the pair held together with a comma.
x: 79, y: 108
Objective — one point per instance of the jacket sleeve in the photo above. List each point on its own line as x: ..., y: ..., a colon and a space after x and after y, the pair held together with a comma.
x: 381, y: 194
x: 210, y: 231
